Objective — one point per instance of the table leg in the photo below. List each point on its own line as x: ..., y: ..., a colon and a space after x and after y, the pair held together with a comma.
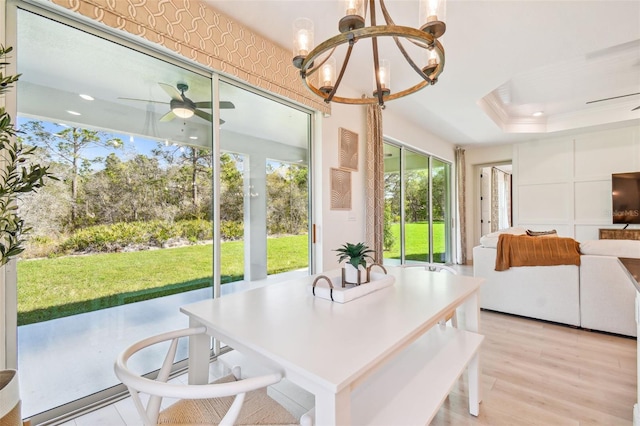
x: 472, y: 313
x: 473, y: 375
x: 333, y: 409
x: 199, y: 356
x: 474, y: 372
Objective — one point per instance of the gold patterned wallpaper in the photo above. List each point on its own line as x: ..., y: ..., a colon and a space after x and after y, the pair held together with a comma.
x: 194, y: 30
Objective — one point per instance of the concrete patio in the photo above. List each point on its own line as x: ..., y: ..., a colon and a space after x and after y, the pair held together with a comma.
x: 65, y: 359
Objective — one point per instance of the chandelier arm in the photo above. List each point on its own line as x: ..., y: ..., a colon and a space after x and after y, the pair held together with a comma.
x: 416, y: 68
x: 376, y: 62
x: 372, y: 6
x: 385, y: 12
x: 342, y: 70
x: 317, y: 67
x: 376, y: 69
x: 381, y: 31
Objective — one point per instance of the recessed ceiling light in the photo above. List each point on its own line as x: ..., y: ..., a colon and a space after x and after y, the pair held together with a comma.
x: 193, y: 137
x: 538, y: 113
x: 86, y: 97
x: 74, y: 113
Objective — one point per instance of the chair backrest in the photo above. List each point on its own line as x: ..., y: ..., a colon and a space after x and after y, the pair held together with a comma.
x: 159, y: 388
x: 10, y: 404
x: 435, y: 267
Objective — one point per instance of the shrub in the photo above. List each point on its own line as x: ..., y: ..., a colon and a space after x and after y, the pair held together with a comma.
x: 231, y: 230
x: 160, y: 232
x: 196, y: 230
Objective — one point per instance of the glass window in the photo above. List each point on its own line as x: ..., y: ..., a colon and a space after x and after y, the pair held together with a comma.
x: 125, y: 236
x: 417, y: 225
x: 264, y: 189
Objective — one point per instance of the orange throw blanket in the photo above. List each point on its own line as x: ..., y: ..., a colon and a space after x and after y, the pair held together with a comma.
x: 523, y: 250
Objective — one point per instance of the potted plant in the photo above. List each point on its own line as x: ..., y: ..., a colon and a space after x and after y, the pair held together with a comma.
x: 356, y: 256
x: 17, y: 175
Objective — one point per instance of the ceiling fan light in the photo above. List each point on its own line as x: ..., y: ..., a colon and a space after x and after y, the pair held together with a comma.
x: 538, y: 114
x: 183, y: 112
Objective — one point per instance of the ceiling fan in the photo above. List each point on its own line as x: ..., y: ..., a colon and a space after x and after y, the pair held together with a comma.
x: 183, y: 107
x: 616, y: 97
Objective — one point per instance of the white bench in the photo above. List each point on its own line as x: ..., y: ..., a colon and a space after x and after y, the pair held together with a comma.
x: 411, y: 387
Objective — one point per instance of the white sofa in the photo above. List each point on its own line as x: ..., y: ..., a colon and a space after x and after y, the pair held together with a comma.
x: 597, y: 295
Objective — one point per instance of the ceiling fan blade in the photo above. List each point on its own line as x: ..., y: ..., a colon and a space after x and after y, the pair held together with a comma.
x: 638, y: 107
x: 203, y: 115
x: 223, y: 105
x: 144, y: 100
x: 171, y: 91
x: 168, y: 116
x: 614, y: 97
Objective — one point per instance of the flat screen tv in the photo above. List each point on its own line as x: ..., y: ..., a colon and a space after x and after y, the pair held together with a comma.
x: 625, y: 191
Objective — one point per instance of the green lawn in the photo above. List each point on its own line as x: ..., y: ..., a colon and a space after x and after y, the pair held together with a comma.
x: 58, y: 287
x: 417, y: 242
x: 53, y: 288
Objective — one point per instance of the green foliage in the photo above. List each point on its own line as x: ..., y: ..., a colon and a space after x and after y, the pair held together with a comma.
x: 117, y: 237
x: 355, y: 254
x: 17, y: 176
x: 196, y: 229
x: 388, y: 239
x: 287, y: 198
x: 231, y: 230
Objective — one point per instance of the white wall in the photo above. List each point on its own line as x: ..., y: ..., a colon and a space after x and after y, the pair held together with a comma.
x: 396, y: 128
x: 336, y: 227
x: 561, y: 183
x: 565, y: 183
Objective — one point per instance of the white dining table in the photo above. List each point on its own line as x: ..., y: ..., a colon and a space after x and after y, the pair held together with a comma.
x: 325, y: 347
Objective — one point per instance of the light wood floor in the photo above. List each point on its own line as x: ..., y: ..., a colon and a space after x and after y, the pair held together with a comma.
x: 533, y: 373
x: 536, y: 373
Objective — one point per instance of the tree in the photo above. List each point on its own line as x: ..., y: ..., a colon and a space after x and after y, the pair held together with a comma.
x: 196, y: 163
x: 127, y: 191
x: 231, y: 188
x: 416, y: 196
x: 67, y: 145
x: 287, y: 190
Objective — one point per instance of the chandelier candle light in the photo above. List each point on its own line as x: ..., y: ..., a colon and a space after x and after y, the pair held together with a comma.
x: 352, y: 29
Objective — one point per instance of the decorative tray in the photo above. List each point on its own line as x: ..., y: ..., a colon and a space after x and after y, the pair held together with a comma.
x: 330, y: 288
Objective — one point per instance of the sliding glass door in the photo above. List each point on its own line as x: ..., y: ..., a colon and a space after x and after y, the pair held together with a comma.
x: 264, y: 198
x: 126, y: 235
x: 417, y: 207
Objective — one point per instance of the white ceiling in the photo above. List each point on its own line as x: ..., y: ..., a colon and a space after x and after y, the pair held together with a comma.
x: 504, y: 60
x: 58, y: 62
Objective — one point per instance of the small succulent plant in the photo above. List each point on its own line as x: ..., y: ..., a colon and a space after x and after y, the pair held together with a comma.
x: 355, y: 254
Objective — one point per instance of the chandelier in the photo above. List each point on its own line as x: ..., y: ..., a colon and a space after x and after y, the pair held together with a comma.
x: 321, y: 59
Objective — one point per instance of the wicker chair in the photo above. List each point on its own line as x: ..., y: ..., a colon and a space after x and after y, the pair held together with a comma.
x: 10, y: 404
x: 227, y: 401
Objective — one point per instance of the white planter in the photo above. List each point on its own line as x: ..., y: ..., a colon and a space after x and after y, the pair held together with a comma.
x: 350, y: 274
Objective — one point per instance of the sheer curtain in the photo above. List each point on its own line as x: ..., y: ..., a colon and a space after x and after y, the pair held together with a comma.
x: 500, y: 199
x: 462, y: 206
x: 374, y: 210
